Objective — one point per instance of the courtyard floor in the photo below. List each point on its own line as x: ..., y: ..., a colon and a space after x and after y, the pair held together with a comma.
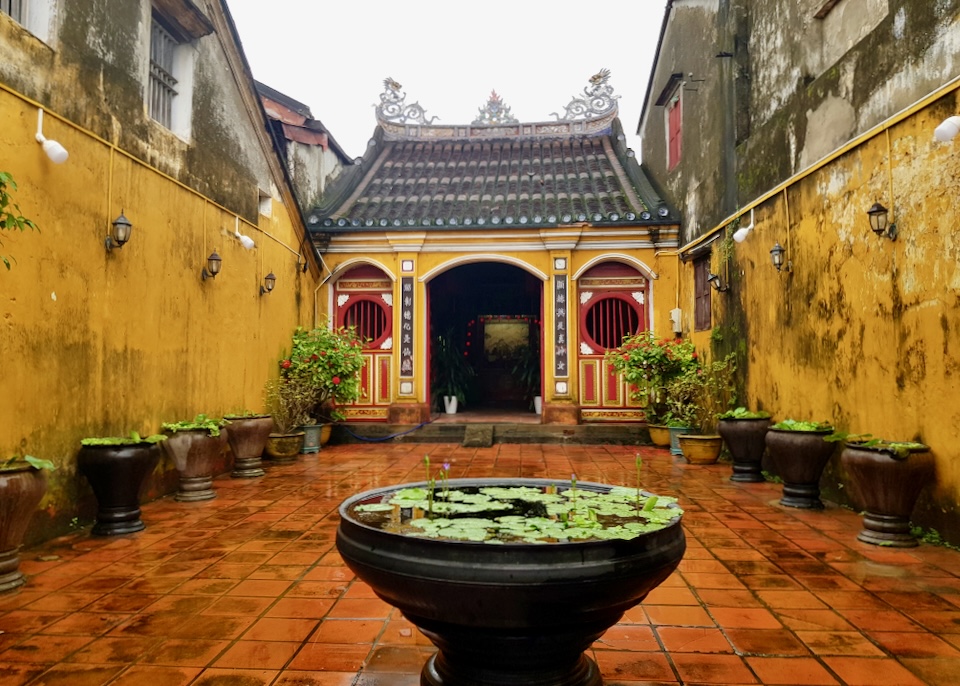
x: 248, y: 589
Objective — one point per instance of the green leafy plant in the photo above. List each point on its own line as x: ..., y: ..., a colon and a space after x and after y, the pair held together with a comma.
x: 290, y: 401
x: 744, y: 413
x: 20, y: 461
x: 11, y: 217
x: 526, y: 369
x: 795, y: 425
x: 327, y: 361
x: 931, y: 537
x: 133, y: 439
x: 201, y: 422
x: 649, y: 365
x: 898, y: 449
x: 700, y: 395
x: 450, y: 372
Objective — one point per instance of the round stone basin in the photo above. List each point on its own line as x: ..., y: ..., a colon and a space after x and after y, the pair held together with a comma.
x: 513, y: 612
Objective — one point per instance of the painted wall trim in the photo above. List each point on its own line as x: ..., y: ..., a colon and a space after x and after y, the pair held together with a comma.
x: 486, y: 257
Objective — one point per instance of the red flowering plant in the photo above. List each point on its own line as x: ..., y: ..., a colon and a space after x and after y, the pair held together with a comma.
x: 649, y: 364
x: 328, y: 361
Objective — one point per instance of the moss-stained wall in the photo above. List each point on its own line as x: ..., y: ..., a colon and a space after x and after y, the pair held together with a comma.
x: 96, y: 343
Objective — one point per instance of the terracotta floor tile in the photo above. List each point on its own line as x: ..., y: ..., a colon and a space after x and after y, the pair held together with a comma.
x: 185, y: 653
x: 717, y: 597
x: 18, y: 675
x: 766, y: 642
x: 745, y: 618
x: 331, y: 657
x: 280, y: 629
x: 791, y: 670
x: 935, y: 670
x: 27, y: 622
x: 138, y: 675
x: 260, y: 587
x: 219, y: 676
x: 940, y: 622
x: 839, y: 643
x: 257, y: 654
x: 709, y: 580
x: 114, y: 649
x: 786, y: 600
x: 667, y: 595
x: 306, y: 608
x: 348, y: 631
x: 629, y: 666
x: 341, y: 574
x: 782, y: 582
x: 813, y: 620
x: 317, y: 589
x: 77, y: 675
x: 712, y: 669
x: 295, y: 678
x: 681, y: 639
x: 678, y: 615
x: 638, y: 638
x: 914, y: 644
x: 86, y: 623
x: 360, y: 608
x: 398, y: 659
x: 865, y: 671
x: 232, y: 605
x: 122, y: 602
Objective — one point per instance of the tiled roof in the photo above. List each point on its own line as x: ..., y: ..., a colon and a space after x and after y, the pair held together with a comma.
x: 416, y: 174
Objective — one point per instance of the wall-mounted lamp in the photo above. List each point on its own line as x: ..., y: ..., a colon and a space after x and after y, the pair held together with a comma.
x: 776, y: 255
x: 880, y: 222
x: 213, y: 266
x: 740, y: 235
x: 717, y: 283
x: 948, y: 129
x: 269, y: 281
x: 56, y: 152
x: 121, y: 233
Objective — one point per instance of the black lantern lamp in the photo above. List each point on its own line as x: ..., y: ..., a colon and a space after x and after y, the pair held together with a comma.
x: 776, y: 255
x: 880, y: 222
x: 213, y: 266
x: 121, y: 232
x: 269, y: 281
x: 717, y: 283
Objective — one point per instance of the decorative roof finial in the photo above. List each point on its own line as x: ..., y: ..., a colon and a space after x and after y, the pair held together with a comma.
x: 598, y: 101
x: 495, y: 112
x: 393, y: 109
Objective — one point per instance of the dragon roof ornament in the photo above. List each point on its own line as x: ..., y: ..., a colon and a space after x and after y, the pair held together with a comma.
x: 495, y: 112
x: 598, y: 100
x: 392, y: 107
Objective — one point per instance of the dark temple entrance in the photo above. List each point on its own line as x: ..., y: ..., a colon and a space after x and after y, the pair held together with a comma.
x: 485, y: 332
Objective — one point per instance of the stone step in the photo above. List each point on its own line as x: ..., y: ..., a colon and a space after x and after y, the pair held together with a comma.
x: 585, y: 434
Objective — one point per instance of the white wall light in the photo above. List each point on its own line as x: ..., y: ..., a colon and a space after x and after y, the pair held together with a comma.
x: 56, y: 152
x: 740, y: 235
x: 948, y: 129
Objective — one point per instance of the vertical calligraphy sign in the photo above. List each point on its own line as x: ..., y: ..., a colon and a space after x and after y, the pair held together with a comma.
x: 560, y: 337
x: 406, y: 326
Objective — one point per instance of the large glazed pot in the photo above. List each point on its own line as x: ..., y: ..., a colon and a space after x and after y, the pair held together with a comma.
x: 700, y: 448
x: 659, y: 435
x: 312, y: 437
x: 799, y: 457
x: 885, y: 483
x: 284, y: 448
x: 746, y: 439
x: 21, y: 490
x: 247, y: 437
x: 194, y: 453
x: 116, y: 474
x: 513, y: 614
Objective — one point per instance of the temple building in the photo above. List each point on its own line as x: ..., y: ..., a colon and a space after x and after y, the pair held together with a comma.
x: 515, y: 254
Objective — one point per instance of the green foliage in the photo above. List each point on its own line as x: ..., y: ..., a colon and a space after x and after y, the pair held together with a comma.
x: 200, y: 422
x: 133, y: 439
x: 897, y: 449
x: 649, y: 365
x: 450, y: 372
x: 21, y: 461
x: 701, y: 394
x: 744, y: 413
x: 328, y: 362
x: 795, y: 425
x: 771, y: 478
x: 526, y: 369
x: 10, y: 216
x: 931, y: 537
x: 290, y: 401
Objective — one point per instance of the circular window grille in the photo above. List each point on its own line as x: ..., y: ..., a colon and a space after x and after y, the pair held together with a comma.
x: 608, y: 319
x: 369, y: 317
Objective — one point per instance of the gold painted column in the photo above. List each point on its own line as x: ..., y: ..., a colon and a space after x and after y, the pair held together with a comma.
x: 561, y: 340
x: 410, y: 346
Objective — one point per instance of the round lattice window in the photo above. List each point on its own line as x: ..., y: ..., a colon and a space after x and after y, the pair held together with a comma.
x: 607, y: 319
x: 370, y: 318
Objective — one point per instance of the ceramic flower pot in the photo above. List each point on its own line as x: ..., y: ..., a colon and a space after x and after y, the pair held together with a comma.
x: 511, y: 614
x: 247, y: 437
x: 659, y: 435
x: 284, y: 448
x: 116, y: 474
x: 194, y: 453
x: 885, y: 484
x: 675, y: 433
x: 799, y: 457
x: 21, y: 490
x: 700, y: 448
x: 312, y: 437
x: 746, y: 440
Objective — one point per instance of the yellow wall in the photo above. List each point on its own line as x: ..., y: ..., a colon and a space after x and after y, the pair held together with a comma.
x: 864, y: 331
x: 96, y: 343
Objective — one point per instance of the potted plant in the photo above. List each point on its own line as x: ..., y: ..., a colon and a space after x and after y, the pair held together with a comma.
x: 450, y: 374
x: 22, y: 485
x: 649, y: 364
x: 884, y: 479
x: 707, y: 392
x: 289, y: 401
x: 194, y: 446
x: 800, y: 450
x: 328, y: 360
x: 745, y: 434
x: 247, y: 438
x: 116, y: 468
x: 10, y: 216
x: 526, y: 373
x: 518, y: 596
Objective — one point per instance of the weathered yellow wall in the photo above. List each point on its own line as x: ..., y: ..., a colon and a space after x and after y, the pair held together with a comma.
x: 95, y: 343
x: 863, y: 331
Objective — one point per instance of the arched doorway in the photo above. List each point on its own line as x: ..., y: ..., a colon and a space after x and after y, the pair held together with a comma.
x: 613, y: 301
x: 364, y: 300
x: 486, y: 336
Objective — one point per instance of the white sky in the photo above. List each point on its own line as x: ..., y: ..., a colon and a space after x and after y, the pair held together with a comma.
x: 448, y: 54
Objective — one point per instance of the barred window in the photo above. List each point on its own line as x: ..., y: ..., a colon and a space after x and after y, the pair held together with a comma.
x: 608, y: 320
x: 162, y: 82
x: 369, y: 316
x: 15, y: 8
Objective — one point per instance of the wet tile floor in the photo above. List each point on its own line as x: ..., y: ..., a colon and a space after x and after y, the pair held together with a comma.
x: 248, y: 589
